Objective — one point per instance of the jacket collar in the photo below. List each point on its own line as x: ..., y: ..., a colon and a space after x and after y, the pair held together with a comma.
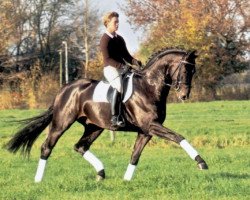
x: 110, y: 35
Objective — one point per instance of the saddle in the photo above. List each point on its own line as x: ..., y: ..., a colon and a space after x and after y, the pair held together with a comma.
x: 103, y: 90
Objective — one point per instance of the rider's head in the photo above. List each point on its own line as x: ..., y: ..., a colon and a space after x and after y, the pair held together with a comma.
x: 111, y: 21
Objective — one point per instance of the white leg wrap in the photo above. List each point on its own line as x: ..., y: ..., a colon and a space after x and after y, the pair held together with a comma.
x: 129, y: 173
x: 189, y: 149
x: 40, y: 170
x: 93, y: 160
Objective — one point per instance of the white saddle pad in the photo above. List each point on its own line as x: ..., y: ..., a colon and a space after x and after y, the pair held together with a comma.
x: 101, y: 90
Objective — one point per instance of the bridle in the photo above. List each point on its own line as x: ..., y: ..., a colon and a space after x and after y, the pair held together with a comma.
x: 178, y: 81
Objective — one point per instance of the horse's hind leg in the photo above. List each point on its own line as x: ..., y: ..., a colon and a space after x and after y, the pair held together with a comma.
x: 82, y: 146
x: 57, y: 129
x: 163, y: 132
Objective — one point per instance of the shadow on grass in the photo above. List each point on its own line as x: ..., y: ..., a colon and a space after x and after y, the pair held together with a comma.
x: 233, y: 175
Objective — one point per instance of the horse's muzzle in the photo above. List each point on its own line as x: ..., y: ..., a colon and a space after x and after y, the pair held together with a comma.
x: 183, y: 97
x: 184, y: 92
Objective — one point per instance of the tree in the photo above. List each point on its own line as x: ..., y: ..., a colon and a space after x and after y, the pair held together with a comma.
x: 5, y: 26
x: 217, y: 29
x: 32, y: 24
x: 33, y: 30
x: 39, y: 27
x: 86, y: 33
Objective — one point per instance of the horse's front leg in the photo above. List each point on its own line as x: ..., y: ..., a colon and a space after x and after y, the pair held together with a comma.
x: 163, y: 132
x: 140, y: 143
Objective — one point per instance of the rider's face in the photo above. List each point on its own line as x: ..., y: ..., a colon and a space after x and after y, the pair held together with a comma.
x: 113, y: 24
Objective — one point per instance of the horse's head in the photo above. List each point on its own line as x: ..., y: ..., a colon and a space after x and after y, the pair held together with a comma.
x: 181, y: 72
x: 172, y: 67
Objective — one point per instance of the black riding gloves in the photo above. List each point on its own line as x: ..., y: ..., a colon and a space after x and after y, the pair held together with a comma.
x: 136, y: 64
x: 124, y: 69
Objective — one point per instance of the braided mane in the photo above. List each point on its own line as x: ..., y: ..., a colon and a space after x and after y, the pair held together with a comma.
x: 163, y: 52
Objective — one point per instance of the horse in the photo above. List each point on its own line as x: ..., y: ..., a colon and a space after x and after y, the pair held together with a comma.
x: 144, y: 113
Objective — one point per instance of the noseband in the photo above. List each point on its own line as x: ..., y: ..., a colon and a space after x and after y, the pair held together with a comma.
x: 178, y: 81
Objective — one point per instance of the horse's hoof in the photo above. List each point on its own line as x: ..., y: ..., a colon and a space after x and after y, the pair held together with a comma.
x: 202, y: 166
x: 100, y: 175
x: 99, y: 178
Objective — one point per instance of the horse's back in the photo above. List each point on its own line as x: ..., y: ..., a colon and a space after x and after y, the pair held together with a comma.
x: 72, y: 94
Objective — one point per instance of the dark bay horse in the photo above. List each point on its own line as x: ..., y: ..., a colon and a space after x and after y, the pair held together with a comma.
x: 144, y: 112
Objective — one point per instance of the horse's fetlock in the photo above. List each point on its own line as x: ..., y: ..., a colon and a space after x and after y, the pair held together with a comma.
x: 45, y: 151
x: 80, y: 150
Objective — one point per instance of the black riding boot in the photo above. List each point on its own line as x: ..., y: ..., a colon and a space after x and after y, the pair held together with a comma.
x: 117, y: 119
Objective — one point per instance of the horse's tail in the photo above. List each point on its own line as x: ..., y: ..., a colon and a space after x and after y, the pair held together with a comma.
x: 26, y: 137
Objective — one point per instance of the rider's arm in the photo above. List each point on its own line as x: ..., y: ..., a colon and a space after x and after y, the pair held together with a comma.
x: 126, y: 54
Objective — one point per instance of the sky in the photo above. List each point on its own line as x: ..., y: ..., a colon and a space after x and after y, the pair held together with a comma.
x: 131, y: 37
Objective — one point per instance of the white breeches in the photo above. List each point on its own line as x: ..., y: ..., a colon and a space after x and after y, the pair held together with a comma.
x: 113, y: 76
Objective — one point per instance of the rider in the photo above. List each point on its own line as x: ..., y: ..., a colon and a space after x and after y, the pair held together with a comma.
x: 115, y: 53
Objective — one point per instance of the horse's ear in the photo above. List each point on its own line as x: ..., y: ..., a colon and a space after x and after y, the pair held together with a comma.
x: 193, y: 54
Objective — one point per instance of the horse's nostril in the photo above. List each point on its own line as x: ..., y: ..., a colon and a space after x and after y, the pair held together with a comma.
x: 184, y: 97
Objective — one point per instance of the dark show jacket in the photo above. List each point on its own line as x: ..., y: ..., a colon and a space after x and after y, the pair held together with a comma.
x: 114, y: 50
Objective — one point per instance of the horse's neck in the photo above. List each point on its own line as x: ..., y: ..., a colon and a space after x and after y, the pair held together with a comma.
x: 155, y: 79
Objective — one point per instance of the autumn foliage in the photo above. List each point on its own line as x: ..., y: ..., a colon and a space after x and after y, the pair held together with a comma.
x: 32, y: 31
x: 218, y: 29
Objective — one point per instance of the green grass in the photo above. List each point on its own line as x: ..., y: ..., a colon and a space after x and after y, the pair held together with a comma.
x: 219, y: 130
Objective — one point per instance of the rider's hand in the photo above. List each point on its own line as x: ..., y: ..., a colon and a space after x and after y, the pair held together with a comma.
x: 137, y: 64
x: 124, y: 69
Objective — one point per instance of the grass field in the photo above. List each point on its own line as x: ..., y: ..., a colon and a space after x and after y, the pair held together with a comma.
x: 219, y: 130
